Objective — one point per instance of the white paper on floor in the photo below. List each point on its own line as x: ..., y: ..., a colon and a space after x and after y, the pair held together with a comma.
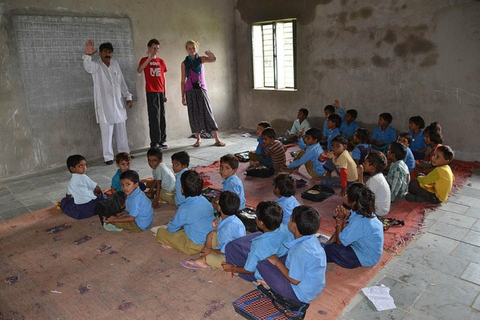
x: 380, y: 296
x: 246, y: 135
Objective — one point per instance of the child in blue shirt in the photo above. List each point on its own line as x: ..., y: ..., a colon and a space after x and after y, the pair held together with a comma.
x: 334, y: 122
x: 405, y: 139
x: 138, y: 214
x: 349, y: 126
x: 300, y: 276
x: 180, y: 162
x: 384, y: 134
x: 225, y: 229
x: 328, y: 110
x: 188, y: 230
x: 122, y: 160
x: 284, y: 187
x: 362, y: 147
x: 358, y: 238
x: 82, y: 193
x: 228, y: 170
x: 243, y: 255
x: 310, y: 156
x: 254, y: 156
x: 418, y: 145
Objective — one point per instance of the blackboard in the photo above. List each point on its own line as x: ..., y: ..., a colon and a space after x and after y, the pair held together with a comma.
x: 50, y: 51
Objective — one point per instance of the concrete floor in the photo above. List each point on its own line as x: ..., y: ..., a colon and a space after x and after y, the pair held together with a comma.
x: 436, y: 277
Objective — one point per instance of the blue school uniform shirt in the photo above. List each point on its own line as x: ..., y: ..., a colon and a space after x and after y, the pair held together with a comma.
x: 311, y: 154
x: 265, y: 245
x: 418, y: 141
x: 234, y: 184
x: 195, y: 216
x: 325, y: 131
x: 259, y: 146
x: 365, y: 236
x: 357, y: 153
x: 229, y: 229
x: 387, y: 136
x: 140, y: 207
x: 179, y: 197
x: 409, y: 160
x: 116, y: 181
x: 348, y: 130
x: 287, y: 204
x: 333, y: 133
x: 306, y: 262
x: 340, y: 112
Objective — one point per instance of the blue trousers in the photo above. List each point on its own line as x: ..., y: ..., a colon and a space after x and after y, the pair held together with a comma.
x: 236, y: 253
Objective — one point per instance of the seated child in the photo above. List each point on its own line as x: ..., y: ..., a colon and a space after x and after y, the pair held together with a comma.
x: 342, y: 163
x: 398, y: 176
x: 358, y: 237
x: 348, y: 126
x: 329, y: 109
x: 180, y: 162
x: 374, y: 165
x: 361, y: 140
x: 138, y: 211
x: 300, y: 276
x: 255, y: 155
x: 310, y: 156
x: 300, y: 125
x: 435, y: 186
x: 418, y: 144
x: 274, y: 155
x: 284, y: 187
x: 228, y: 171
x: 225, y: 229
x: 338, y: 109
x: 405, y: 139
x: 333, y: 123
x: 243, y: 254
x: 384, y: 134
x: 123, y: 160
x: 163, y: 185
x: 82, y: 193
x: 188, y: 230
x: 433, y: 138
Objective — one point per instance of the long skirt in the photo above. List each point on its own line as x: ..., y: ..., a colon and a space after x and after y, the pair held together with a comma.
x: 200, y: 112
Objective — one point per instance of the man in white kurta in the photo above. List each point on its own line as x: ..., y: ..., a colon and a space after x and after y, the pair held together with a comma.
x: 109, y: 89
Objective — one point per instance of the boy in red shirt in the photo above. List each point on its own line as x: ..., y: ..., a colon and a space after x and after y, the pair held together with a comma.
x: 154, y: 70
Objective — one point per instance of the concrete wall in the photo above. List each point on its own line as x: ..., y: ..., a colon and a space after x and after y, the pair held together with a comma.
x: 34, y: 143
x: 403, y: 57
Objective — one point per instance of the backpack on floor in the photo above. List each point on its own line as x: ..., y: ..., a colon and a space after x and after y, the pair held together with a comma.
x: 260, y: 172
x: 318, y: 193
x: 110, y: 206
x: 247, y: 216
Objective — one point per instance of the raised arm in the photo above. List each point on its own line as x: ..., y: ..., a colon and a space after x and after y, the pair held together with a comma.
x: 89, y: 66
x: 146, y: 62
x: 210, y: 57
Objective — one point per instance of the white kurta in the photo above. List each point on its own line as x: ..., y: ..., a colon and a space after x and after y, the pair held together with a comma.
x: 109, y: 87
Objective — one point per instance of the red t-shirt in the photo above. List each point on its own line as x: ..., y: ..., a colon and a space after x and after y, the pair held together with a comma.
x: 154, y: 75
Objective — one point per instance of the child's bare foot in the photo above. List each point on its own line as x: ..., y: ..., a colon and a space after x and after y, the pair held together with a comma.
x: 166, y: 247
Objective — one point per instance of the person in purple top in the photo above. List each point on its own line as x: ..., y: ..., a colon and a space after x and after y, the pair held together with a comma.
x: 194, y: 93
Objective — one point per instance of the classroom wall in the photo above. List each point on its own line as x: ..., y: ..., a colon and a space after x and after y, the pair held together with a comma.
x: 32, y: 143
x: 403, y: 57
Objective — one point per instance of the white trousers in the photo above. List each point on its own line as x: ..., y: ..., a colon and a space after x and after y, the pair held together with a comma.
x: 107, y: 139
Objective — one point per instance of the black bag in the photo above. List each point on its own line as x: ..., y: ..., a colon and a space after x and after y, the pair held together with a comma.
x: 242, y: 156
x: 110, y: 206
x: 260, y: 172
x: 390, y: 222
x: 247, y: 216
x: 197, y: 85
x: 318, y: 193
x: 263, y: 303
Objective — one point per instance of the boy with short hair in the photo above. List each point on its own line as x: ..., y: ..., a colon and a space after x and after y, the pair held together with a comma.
x: 138, y: 215
x: 122, y: 160
x: 300, y: 125
x: 342, y: 163
x: 374, y: 164
x: 228, y: 171
x: 243, y: 255
x: 284, y: 187
x: 349, y: 125
x: 154, y: 70
x: 180, y: 162
x: 254, y: 156
x: 405, y: 139
x: 384, y: 134
x: 274, y: 151
x: 334, y: 122
x: 163, y: 185
x: 188, y: 230
x: 328, y: 110
x: 398, y: 176
x: 225, y: 229
x: 300, y: 276
x: 362, y: 148
x: 82, y: 193
x: 310, y: 156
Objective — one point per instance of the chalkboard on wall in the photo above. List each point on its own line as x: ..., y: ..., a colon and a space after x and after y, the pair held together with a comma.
x: 51, y: 49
